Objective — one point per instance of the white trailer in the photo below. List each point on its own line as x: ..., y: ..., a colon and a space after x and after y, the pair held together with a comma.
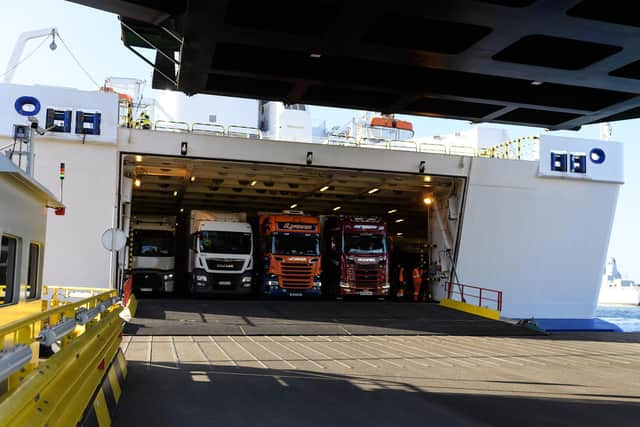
x: 220, y: 253
x: 153, y: 262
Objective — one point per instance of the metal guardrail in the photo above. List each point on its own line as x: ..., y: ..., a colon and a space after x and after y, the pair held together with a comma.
x: 208, y: 129
x: 525, y: 148
x: 475, y: 295
x: 84, y: 335
x: 244, y: 132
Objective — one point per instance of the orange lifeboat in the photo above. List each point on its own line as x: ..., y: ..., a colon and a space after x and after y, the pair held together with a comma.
x: 391, y: 123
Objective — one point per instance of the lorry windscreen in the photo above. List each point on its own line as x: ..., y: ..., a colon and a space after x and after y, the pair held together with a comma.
x: 225, y: 242
x: 364, y: 243
x: 296, y: 244
x: 153, y: 243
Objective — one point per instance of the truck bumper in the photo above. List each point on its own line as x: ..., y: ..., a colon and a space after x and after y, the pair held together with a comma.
x: 376, y: 292
x: 152, y: 282
x: 277, y: 291
x: 222, y: 284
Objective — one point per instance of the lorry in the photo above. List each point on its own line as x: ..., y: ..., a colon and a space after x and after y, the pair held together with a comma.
x: 355, y: 256
x: 290, y: 254
x: 153, y: 254
x: 220, y: 257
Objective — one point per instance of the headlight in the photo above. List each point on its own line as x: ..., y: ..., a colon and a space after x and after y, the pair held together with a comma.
x: 201, y: 278
x: 168, y: 277
x: 317, y: 281
x: 272, y: 283
x: 246, y: 279
x: 344, y: 285
x: 385, y: 286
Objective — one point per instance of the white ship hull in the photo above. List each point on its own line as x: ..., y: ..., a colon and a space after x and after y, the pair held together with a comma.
x: 627, y: 295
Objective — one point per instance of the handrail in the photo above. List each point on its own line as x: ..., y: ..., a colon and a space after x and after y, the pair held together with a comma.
x: 460, y: 292
x: 244, y: 131
x: 172, y: 126
x: 208, y: 128
x: 63, y: 321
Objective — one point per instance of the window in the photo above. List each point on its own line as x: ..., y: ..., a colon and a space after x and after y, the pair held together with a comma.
x: 8, y: 247
x: 225, y: 242
x: 364, y: 244
x: 296, y: 244
x: 34, y: 271
x: 153, y: 243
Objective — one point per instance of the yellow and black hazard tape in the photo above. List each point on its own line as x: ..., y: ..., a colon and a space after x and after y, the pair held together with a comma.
x: 100, y: 411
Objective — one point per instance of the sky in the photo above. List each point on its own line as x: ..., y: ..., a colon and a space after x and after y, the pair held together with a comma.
x: 94, y: 38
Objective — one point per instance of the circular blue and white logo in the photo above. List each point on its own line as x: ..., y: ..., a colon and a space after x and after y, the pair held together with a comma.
x: 27, y: 106
x: 597, y: 155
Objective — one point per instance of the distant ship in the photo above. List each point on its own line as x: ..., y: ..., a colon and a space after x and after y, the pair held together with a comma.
x: 615, y: 289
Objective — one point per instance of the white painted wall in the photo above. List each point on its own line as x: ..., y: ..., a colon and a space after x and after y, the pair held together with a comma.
x: 542, y: 241
x: 76, y: 256
x: 60, y: 98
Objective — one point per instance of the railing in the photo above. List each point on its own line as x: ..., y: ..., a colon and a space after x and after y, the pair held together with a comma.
x: 475, y: 295
x: 525, y: 148
x: 83, y: 335
x: 208, y: 129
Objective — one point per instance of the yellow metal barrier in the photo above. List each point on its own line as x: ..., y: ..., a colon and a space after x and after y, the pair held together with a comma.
x: 56, y: 391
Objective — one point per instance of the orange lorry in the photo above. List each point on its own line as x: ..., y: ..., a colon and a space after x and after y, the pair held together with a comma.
x: 290, y: 255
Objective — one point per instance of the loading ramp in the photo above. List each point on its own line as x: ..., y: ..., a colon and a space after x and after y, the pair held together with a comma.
x: 190, y: 317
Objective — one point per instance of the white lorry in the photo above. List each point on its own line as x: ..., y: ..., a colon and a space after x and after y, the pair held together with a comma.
x: 220, y: 253
x: 153, y: 262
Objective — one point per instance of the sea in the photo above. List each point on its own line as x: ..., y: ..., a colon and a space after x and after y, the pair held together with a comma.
x: 627, y: 317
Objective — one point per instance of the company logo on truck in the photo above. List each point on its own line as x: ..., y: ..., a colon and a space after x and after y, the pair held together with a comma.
x: 296, y: 226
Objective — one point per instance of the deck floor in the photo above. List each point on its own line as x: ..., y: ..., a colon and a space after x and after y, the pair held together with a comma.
x: 381, y: 380
x: 186, y: 317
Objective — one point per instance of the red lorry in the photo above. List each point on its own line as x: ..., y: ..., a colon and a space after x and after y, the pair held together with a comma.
x: 290, y: 255
x: 355, y: 256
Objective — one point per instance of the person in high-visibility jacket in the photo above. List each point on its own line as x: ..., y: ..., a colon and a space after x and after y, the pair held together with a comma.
x: 416, y: 275
x: 401, y: 283
x: 144, y: 122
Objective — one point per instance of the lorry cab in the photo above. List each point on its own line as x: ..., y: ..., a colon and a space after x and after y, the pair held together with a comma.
x: 221, y: 253
x: 290, y: 250
x: 356, y: 256
x: 153, y: 261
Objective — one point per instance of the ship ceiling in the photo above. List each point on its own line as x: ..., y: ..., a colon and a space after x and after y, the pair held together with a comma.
x: 169, y: 184
x: 553, y: 64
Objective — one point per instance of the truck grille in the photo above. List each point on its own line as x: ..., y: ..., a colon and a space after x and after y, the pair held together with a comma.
x: 225, y: 264
x: 366, y: 276
x: 297, y: 276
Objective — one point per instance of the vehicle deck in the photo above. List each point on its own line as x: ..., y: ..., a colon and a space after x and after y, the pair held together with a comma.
x: 177, y: 317
x: 374, y: 380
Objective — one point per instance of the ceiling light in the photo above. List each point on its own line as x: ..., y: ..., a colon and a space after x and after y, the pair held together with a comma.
x: 175, y: 194
x: 399, y: 234
x: 427, y: 179
x: 536, y: 83
x: 137, y: 182
x: 392, y: 211
x: 399, y: 220
x: 193, y: 179
x: 373, y: 190
x: 337, y: 208
x: 427, y: 201
x: 325, y: 188
x: 181, y: 210
x: 293, y: 206
x: 315, y: 55
x: 138, y: 158
x: 253, y: 183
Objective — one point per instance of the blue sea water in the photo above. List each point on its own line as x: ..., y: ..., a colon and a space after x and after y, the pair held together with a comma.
x: 627, y: 317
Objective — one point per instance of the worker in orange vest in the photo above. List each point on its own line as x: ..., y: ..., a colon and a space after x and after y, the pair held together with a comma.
x: 401, y: 283
x: 417, y: 282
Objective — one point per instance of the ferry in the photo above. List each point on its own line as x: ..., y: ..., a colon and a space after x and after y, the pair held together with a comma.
x: 615, y: 289
x: 504, y: 215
